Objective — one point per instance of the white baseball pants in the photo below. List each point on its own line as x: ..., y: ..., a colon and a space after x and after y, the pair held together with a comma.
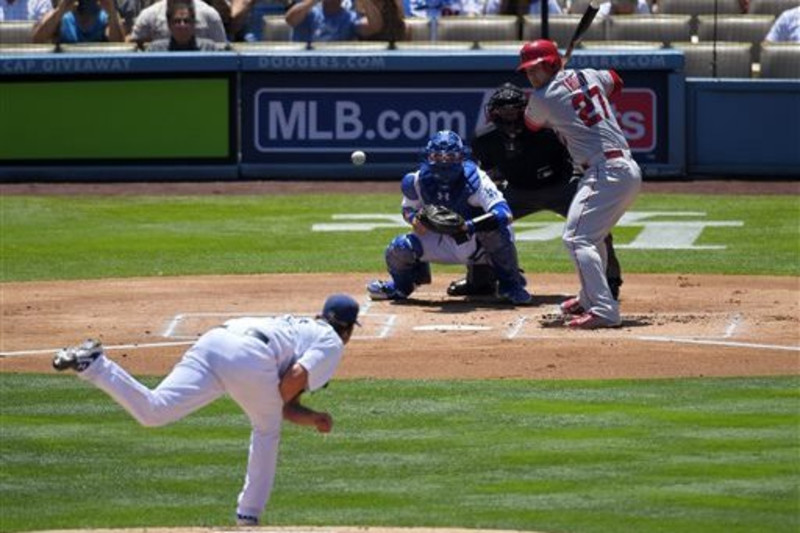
x: 604, y: 194
x: 220, y: 362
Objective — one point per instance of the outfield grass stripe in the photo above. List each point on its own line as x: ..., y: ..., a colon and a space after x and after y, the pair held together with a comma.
x: 694, y: 455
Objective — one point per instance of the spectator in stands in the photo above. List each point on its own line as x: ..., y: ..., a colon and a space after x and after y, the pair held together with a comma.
x: 82, y: 21
x: 129, y: 10
x: 181, y: 19
x: 247, y: 17
x: 388, y: 17
x: 442, y: 8
x: 786, y: 28
x: 624, y: 7
x: 327, y: 20
x: 151, y: 24
x: 511, y: 7
x: 34, y: 10
x: 744, y: 6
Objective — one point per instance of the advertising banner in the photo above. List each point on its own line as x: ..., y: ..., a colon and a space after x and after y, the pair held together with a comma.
x: 307, y: 118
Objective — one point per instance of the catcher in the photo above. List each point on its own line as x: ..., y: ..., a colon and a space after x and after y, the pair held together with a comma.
x: 535, y: 173
x: 458, y: 216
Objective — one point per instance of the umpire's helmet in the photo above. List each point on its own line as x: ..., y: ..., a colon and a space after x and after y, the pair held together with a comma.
x: 539, y: 51
x: 506, y: 108
x: 445, y: 154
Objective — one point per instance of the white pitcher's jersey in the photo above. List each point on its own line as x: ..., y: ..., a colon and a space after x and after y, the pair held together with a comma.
x: 575, y: 104
x: 312, y: 343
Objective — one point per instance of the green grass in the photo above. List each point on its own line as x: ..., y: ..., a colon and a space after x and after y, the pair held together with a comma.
x: 99, y: 237
x: 695, y: 455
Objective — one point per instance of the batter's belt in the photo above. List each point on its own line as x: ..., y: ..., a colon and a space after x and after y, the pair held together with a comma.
x: 608, y: 154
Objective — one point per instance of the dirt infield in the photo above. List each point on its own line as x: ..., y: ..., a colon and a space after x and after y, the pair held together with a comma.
x: 674, y: 325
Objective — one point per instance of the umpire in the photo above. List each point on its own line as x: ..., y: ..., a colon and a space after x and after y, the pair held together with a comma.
x: 535, y: 173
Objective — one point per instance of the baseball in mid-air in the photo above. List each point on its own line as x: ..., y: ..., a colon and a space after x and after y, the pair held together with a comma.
x: 358, y: 157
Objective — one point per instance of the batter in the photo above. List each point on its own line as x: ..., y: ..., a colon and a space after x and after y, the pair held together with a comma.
x: 575, y: 103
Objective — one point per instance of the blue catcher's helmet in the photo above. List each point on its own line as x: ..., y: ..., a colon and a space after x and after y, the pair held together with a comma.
x: 445, y: 154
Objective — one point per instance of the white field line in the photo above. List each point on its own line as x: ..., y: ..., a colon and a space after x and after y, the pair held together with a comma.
x: 170, y: 331
x: 114, y: 347
x: 451, y: 327
x: 732, y: 325
x: 386, y: 329
x: 515, y: 328
x: 722, y: 343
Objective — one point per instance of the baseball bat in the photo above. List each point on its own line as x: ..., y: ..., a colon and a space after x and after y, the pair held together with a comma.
x: 583, y: 25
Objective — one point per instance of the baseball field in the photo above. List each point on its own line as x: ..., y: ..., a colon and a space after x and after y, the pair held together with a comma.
x: 448, y: 414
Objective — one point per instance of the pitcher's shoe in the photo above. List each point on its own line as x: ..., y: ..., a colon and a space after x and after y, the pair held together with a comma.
x: 384, y: 290
x: 462, y: 287
x: 517, y: 296
x: 79, y: 357
x: 591, y: 321
x: 571, y: 307
x: 246, y: 520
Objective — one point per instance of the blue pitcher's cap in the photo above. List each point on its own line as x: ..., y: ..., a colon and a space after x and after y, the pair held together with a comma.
x: 341, y: 310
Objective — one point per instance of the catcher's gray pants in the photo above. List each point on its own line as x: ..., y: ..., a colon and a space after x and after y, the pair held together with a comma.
x: 604, y: 194
x: 220, y: 362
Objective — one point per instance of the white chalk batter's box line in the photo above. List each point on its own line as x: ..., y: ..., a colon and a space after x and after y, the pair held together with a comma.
x: 172, y: 331
x: 386, y: 326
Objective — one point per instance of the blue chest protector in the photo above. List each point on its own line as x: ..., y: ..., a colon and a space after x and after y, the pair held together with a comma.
x: 454, y: 194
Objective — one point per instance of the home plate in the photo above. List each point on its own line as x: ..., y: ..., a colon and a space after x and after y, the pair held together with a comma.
x: 451, y: 327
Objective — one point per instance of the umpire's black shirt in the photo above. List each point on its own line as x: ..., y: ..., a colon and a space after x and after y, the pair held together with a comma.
x: 531, y: 160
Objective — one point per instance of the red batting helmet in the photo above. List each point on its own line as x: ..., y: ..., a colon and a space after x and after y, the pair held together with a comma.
x: 539, y: 51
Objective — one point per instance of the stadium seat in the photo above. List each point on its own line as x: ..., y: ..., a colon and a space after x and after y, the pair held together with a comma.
x: 487, y: 28
x: 268, y: 46
x: 578, y: 6
x: 430, y: 46
x: 501, y: 46
x: 350, y: 46
x: 659, y: 28
x: 276, y: 28
x: 420, y: 28
x: 621, y: 45
x: 698, y: 7
x: 561, y: 28
x: 732, y: 59
x: 735, y: 28
x: 770, y: 7
x: 98, y: 48
x: 16, y: 31
x: 780, y: 60
x: 26, y: 48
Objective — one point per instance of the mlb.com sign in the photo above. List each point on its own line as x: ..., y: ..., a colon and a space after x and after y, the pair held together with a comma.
x: 399, y: 120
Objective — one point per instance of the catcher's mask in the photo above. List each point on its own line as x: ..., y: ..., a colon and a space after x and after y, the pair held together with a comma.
x: 506, y: 108
x: 445, y: 154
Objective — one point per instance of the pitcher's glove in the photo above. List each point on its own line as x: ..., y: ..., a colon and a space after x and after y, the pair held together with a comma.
x: 440, y: 219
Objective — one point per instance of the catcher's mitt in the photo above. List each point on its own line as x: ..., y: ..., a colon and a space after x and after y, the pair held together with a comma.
x: 440, y: 219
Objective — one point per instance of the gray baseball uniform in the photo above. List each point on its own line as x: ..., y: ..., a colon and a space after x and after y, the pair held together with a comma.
x: 575, y: 104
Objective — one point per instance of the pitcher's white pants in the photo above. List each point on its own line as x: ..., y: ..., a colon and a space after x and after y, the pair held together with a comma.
x: 220, y: 362
x: 604, y: 194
